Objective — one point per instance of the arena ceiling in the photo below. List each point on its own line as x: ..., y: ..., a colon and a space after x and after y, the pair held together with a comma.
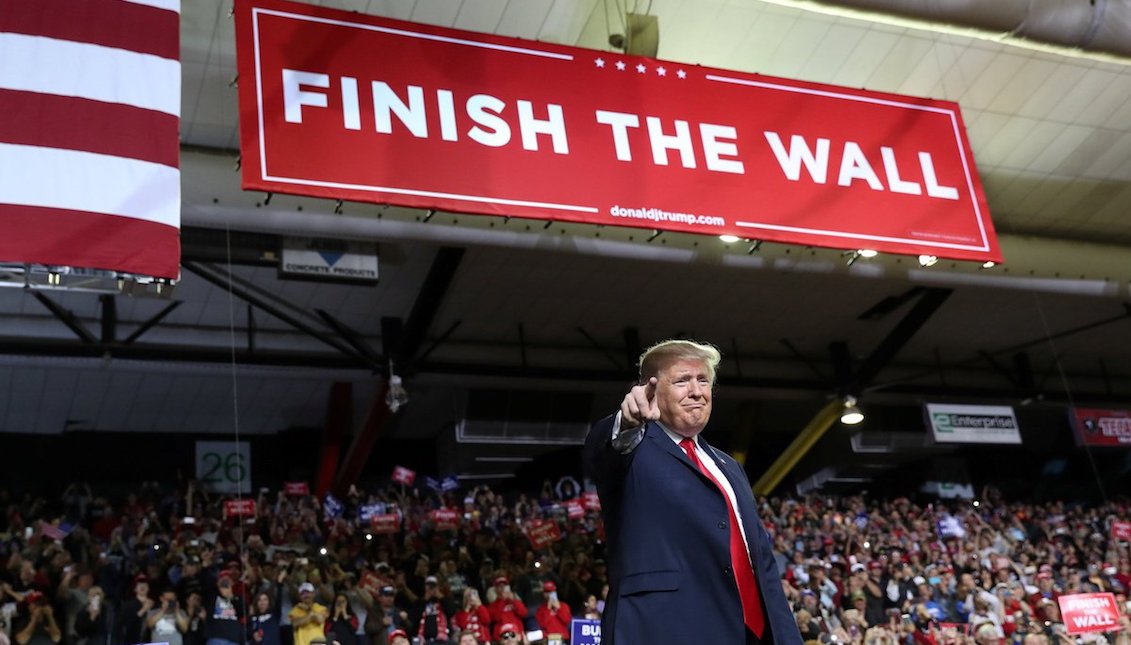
x: 468, y: 302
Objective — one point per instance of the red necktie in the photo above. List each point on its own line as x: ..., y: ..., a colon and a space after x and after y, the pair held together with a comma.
x: 740, y: 558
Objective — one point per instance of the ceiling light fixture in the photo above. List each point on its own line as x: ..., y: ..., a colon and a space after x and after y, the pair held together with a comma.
x: 868, y: 253
x: 729, y: 239
x: 928, y: 260
x: 851, y: 415
x: 989, y: 264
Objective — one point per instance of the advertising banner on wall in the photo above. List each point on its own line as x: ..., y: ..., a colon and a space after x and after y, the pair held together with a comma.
x: 347, y: 106
x: 972, y: 423
x: 1103, y: 428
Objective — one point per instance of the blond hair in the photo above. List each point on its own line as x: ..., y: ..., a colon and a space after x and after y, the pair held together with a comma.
x: 659, y: 356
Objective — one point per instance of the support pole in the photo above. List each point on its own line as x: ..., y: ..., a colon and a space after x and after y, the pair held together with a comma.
x: 801, y: 445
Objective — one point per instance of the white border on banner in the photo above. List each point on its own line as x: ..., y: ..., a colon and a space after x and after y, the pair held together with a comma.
x: 388, y: 189
x: 864, y: 99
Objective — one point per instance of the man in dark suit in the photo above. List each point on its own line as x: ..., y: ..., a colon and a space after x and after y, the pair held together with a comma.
x: 689, y: 560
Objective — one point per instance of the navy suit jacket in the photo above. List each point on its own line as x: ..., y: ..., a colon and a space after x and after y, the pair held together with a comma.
x: 670, y: 580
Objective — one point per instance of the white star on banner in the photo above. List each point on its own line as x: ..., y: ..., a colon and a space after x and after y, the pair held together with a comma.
x: 620, y: 65
x: 641, y: 68
x: 660, y: 71
x: 681, y: 73
x: 600, y: 62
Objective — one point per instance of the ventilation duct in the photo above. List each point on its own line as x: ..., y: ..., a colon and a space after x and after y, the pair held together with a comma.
x: 1099, y: 26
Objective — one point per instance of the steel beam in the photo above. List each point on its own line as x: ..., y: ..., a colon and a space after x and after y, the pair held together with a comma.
x: 224, y: 282
x: 66, y: 317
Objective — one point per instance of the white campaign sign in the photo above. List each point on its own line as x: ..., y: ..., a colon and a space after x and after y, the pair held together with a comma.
x: 224, y: 466
x: 973, y: 423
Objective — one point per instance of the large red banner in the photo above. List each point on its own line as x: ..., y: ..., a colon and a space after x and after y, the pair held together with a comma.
x: 1108, y: 428
x: 346, y: 106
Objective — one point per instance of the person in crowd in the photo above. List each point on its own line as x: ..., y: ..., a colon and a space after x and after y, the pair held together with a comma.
x: 307, y: 616
x: 198, y: 620
x: 473, y: 616
x: 553, y: 615
x: 342, y: 622
x: 225, y: 615
x: 167, y: 622
x: 39, y: 626
x: 590, y: 611
x: 509, y: 633
x: 385, y: 617
x: 132, y: 613
x: 434, y: 627
x: 399, y: 637
x: 73, y: 592
x: 92, y: 625
x: 469, y: 638
x: 263, y: 623
x: 668, y: 525
x: 507, y: 607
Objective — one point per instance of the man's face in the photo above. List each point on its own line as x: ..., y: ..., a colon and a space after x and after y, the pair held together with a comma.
x: 683, y: 395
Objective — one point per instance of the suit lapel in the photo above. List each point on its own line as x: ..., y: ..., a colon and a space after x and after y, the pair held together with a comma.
x: 657, y: 434
x: 746, y: 510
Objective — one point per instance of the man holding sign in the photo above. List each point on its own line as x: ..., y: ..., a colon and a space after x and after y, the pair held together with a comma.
x: 689, y: 560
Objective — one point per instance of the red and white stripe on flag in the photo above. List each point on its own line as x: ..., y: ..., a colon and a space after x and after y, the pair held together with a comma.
x: 90, y: 93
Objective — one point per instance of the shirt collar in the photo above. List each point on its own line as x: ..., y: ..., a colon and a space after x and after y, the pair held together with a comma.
x: 676, y: 437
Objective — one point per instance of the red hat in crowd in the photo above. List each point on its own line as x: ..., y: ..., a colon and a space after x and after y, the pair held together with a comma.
x: 504, y: 628
x: 502, y: 580
x: 549, y: 586
x: 397, y: 632
x: 875, y: 564
x: 141, y: 577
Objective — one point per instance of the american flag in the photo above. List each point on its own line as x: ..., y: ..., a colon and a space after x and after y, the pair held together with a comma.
x: 90, y: 98
x: 54, y: 532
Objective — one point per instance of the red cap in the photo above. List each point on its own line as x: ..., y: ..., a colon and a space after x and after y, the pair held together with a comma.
x: 397, y: 632
x: 502, y: 580
x: 549, y: 586
x: 875, y: 564
x: 141, y: 577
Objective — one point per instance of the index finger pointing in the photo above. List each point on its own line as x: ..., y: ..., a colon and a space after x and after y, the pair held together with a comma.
x: 650, y: 388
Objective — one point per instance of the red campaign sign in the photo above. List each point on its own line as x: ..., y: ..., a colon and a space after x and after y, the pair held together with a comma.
x: 296, y: 488
x: 371, y: 582
x: 346, y: 106
x: 403, y: 475
x: 543, y: 533
x: 384, y: 524
x: 445, y: 519
x: 1104, y: 428
x: 1121, y: 531
x: 1089, y: 612
x: 239, y: 508
x: 575, y: 509
x: 592, y: 501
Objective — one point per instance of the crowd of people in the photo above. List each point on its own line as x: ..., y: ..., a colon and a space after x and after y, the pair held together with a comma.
x: 166, y: 565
